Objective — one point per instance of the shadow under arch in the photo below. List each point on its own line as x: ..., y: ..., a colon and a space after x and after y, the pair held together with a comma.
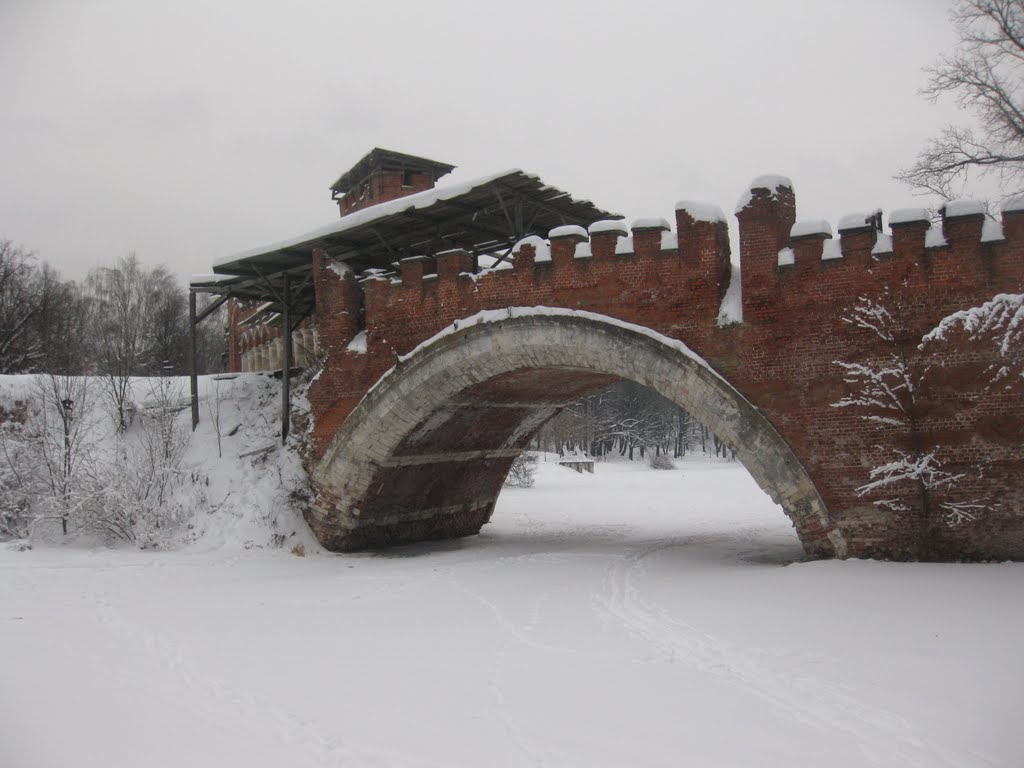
x: 424, y: 454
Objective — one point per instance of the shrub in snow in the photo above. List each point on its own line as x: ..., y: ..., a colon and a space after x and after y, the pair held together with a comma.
x: 521, y: 473
x: 661, y: 461
x: 68, y: 471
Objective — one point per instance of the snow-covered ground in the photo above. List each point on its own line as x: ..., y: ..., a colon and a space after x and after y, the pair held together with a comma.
x: 628, y: 618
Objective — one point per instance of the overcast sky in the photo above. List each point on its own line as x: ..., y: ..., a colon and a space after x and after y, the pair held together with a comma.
x: 189, y: 130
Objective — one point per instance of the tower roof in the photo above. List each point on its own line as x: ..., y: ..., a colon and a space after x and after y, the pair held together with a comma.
x: 378, y: 159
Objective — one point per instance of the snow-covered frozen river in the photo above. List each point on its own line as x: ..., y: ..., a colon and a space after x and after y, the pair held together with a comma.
x: 629, y: 618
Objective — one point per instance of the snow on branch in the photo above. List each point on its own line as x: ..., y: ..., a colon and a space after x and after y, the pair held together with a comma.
x: 999, y: 322
x: 906, y: 467
x: 872, y: 316
x: 878, y: 390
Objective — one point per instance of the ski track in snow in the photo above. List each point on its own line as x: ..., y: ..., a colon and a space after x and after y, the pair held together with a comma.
x: 513, y: 635
x: 225, y: 701
x: 883, y: 737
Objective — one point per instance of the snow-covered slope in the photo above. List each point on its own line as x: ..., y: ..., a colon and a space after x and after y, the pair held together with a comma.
x: 248, y: 493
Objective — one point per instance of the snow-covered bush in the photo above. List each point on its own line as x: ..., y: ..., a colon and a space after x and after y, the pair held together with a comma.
x: 16, y: 491
x: 661, y: 461
x: 152, y: 451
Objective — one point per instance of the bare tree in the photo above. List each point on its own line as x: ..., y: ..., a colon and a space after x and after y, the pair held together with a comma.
x: 166, y: 322
x: 61, y: 326
x: 213, y: 405
x: 119, y: 302
x: 521, y: 473
x: 983, y: 75
x: 19, y: 303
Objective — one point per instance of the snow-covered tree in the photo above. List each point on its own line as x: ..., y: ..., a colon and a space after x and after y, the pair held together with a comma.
x: 997, y: 324
x: 71, y: 479
x: 886, y: 390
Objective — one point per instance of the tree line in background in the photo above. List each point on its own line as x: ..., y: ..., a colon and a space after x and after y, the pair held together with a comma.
x: 122, y: 320
x: 632, y: 421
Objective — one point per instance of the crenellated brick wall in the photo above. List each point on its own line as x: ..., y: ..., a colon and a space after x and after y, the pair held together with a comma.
x: 781, y: 357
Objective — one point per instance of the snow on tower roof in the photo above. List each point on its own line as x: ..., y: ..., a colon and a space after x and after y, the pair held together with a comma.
x: 773, y: 182
x: 702, y: 211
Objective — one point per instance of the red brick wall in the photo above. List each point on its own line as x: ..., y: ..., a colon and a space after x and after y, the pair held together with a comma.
x: 383, y: 186
x: 782, y: 357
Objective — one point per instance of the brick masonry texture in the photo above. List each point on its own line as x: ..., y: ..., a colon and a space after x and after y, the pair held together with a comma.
x: 812, y: 457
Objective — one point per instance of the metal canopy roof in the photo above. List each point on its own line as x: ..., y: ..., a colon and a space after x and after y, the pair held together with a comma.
x: 484, y: 216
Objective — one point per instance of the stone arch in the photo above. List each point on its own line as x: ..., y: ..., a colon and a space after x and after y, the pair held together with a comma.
x: 424, y: 454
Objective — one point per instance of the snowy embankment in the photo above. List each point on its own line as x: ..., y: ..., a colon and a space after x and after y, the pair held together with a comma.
x: 631, y: 617
x: 156, y: 483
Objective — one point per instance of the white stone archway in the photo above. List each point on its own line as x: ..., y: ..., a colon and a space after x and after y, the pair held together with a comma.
x: 420, y: 457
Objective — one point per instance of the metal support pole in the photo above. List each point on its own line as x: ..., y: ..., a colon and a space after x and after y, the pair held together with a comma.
x: 286, y: 367
x: 193, y: 378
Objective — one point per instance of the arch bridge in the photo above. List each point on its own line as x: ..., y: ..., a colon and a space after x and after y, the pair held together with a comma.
x: 435, y: 377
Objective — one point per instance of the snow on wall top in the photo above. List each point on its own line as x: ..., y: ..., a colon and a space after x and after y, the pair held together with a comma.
x: 608, y: 225
x: 373, y: 213
x: 964, y: 208
x: 856, y: 220
x: 770, y: 181
x: 807, y: 227
x: 540, y: 246
x: 907, y: 215
x: 651, y: 223
x: 568, y: 230
x: 702, y: 211
x: 787, y: 257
